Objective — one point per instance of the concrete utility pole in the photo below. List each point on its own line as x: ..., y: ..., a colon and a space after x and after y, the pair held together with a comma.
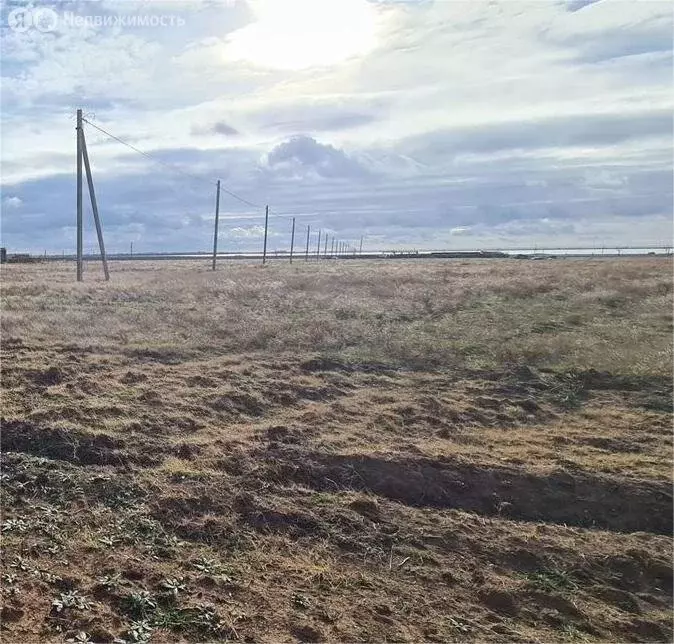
x: 318, y: 246
x: 292, y: 241
x: 361, y: 245
x: 94, y: 205
x: 306, y: 256
x: 78, y: 131
x: 266, y: 226
x: 325, y: 250
x: 217, y: 221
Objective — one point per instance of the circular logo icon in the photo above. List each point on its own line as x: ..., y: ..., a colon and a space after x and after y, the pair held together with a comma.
x: 45, y: 19
x: 20, y: 19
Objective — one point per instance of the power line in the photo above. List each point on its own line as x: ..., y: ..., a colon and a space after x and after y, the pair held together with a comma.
x: 172, y: 167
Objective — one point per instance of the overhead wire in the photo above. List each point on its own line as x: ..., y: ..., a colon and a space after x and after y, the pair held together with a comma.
x: 173, y: 167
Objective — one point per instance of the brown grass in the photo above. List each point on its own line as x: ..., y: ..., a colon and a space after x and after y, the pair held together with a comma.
x: 607, y: 315
x: 410, y: 451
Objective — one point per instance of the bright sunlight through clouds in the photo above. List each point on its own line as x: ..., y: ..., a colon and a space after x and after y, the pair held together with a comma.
x: 299, y: 34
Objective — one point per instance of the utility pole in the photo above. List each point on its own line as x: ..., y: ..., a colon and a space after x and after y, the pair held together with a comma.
x: 292, y: 241
x: 131, y: 253
x: 325, y: 250
x: 94, y: 206
x: 78, y: 130
x: 332, y: 247
x: 361, y: 245
x: 306, y: 256
x: 217, y: 221
x: 318, y: 246
x: 266, y: 225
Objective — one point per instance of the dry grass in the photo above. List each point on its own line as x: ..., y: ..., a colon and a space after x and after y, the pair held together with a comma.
x: 409, y: 451
x: 607, y: 315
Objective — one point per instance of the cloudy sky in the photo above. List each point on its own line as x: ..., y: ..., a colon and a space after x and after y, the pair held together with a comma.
x: 417, y: 123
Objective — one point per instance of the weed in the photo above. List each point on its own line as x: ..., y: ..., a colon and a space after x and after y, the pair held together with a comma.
x: 15, y: 525
x: 111, y: 582
x: 551, y: 580
x: 301, y: 601
x: 140, y: 604
x: 208, y: 566
x: 71, y: 599
x: 199, y: 619
x: 173, y: 585
x: 139, y: 632
x: 21, y: 563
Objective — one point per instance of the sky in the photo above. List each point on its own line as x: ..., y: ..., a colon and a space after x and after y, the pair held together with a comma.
x: 417, y: 124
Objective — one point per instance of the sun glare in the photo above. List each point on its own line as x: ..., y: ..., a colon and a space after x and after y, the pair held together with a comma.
x: 298, y: 34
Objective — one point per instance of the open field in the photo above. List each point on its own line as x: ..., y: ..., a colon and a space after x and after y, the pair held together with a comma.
x: 387, y: 451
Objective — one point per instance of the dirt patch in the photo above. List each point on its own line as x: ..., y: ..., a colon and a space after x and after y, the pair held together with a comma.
x: 579, y: 499
x: 68, y: 445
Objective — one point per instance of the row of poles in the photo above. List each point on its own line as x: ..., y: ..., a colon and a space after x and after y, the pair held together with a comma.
x: 338, y: 248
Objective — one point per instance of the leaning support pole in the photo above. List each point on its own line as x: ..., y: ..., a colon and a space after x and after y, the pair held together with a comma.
x: 266, y: 227
x: 306, y: 255
x: 94, y: 206
x: 78, y: 129
x: 217, y: 221
x: 292, y: 241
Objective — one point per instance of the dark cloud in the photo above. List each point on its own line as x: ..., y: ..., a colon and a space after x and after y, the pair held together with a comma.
x: 322, y: 123
x: 222, y: 128
x: 577, y: 5
x: 642, y: 37
x: 219, y: 127
x: 564, y: 131
x: 302, y: 154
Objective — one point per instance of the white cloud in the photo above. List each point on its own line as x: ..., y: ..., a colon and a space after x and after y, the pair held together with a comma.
x: 246, y: 233
x: 12, y: 202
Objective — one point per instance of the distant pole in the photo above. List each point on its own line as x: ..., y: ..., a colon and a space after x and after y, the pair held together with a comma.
x: 94, y: 206
x: 361, y: 245
x: 131, y: 253
x: 318, y: 246
x: 332, y: 246
x: 325, y: 250
x: 78, y: 129
x: 217, y: 221
x: 306, y: 256
x: 292, y: 241
x: 266, y: 226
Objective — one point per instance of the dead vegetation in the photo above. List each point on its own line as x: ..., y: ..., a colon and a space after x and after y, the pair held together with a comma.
x: 422, y: 451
